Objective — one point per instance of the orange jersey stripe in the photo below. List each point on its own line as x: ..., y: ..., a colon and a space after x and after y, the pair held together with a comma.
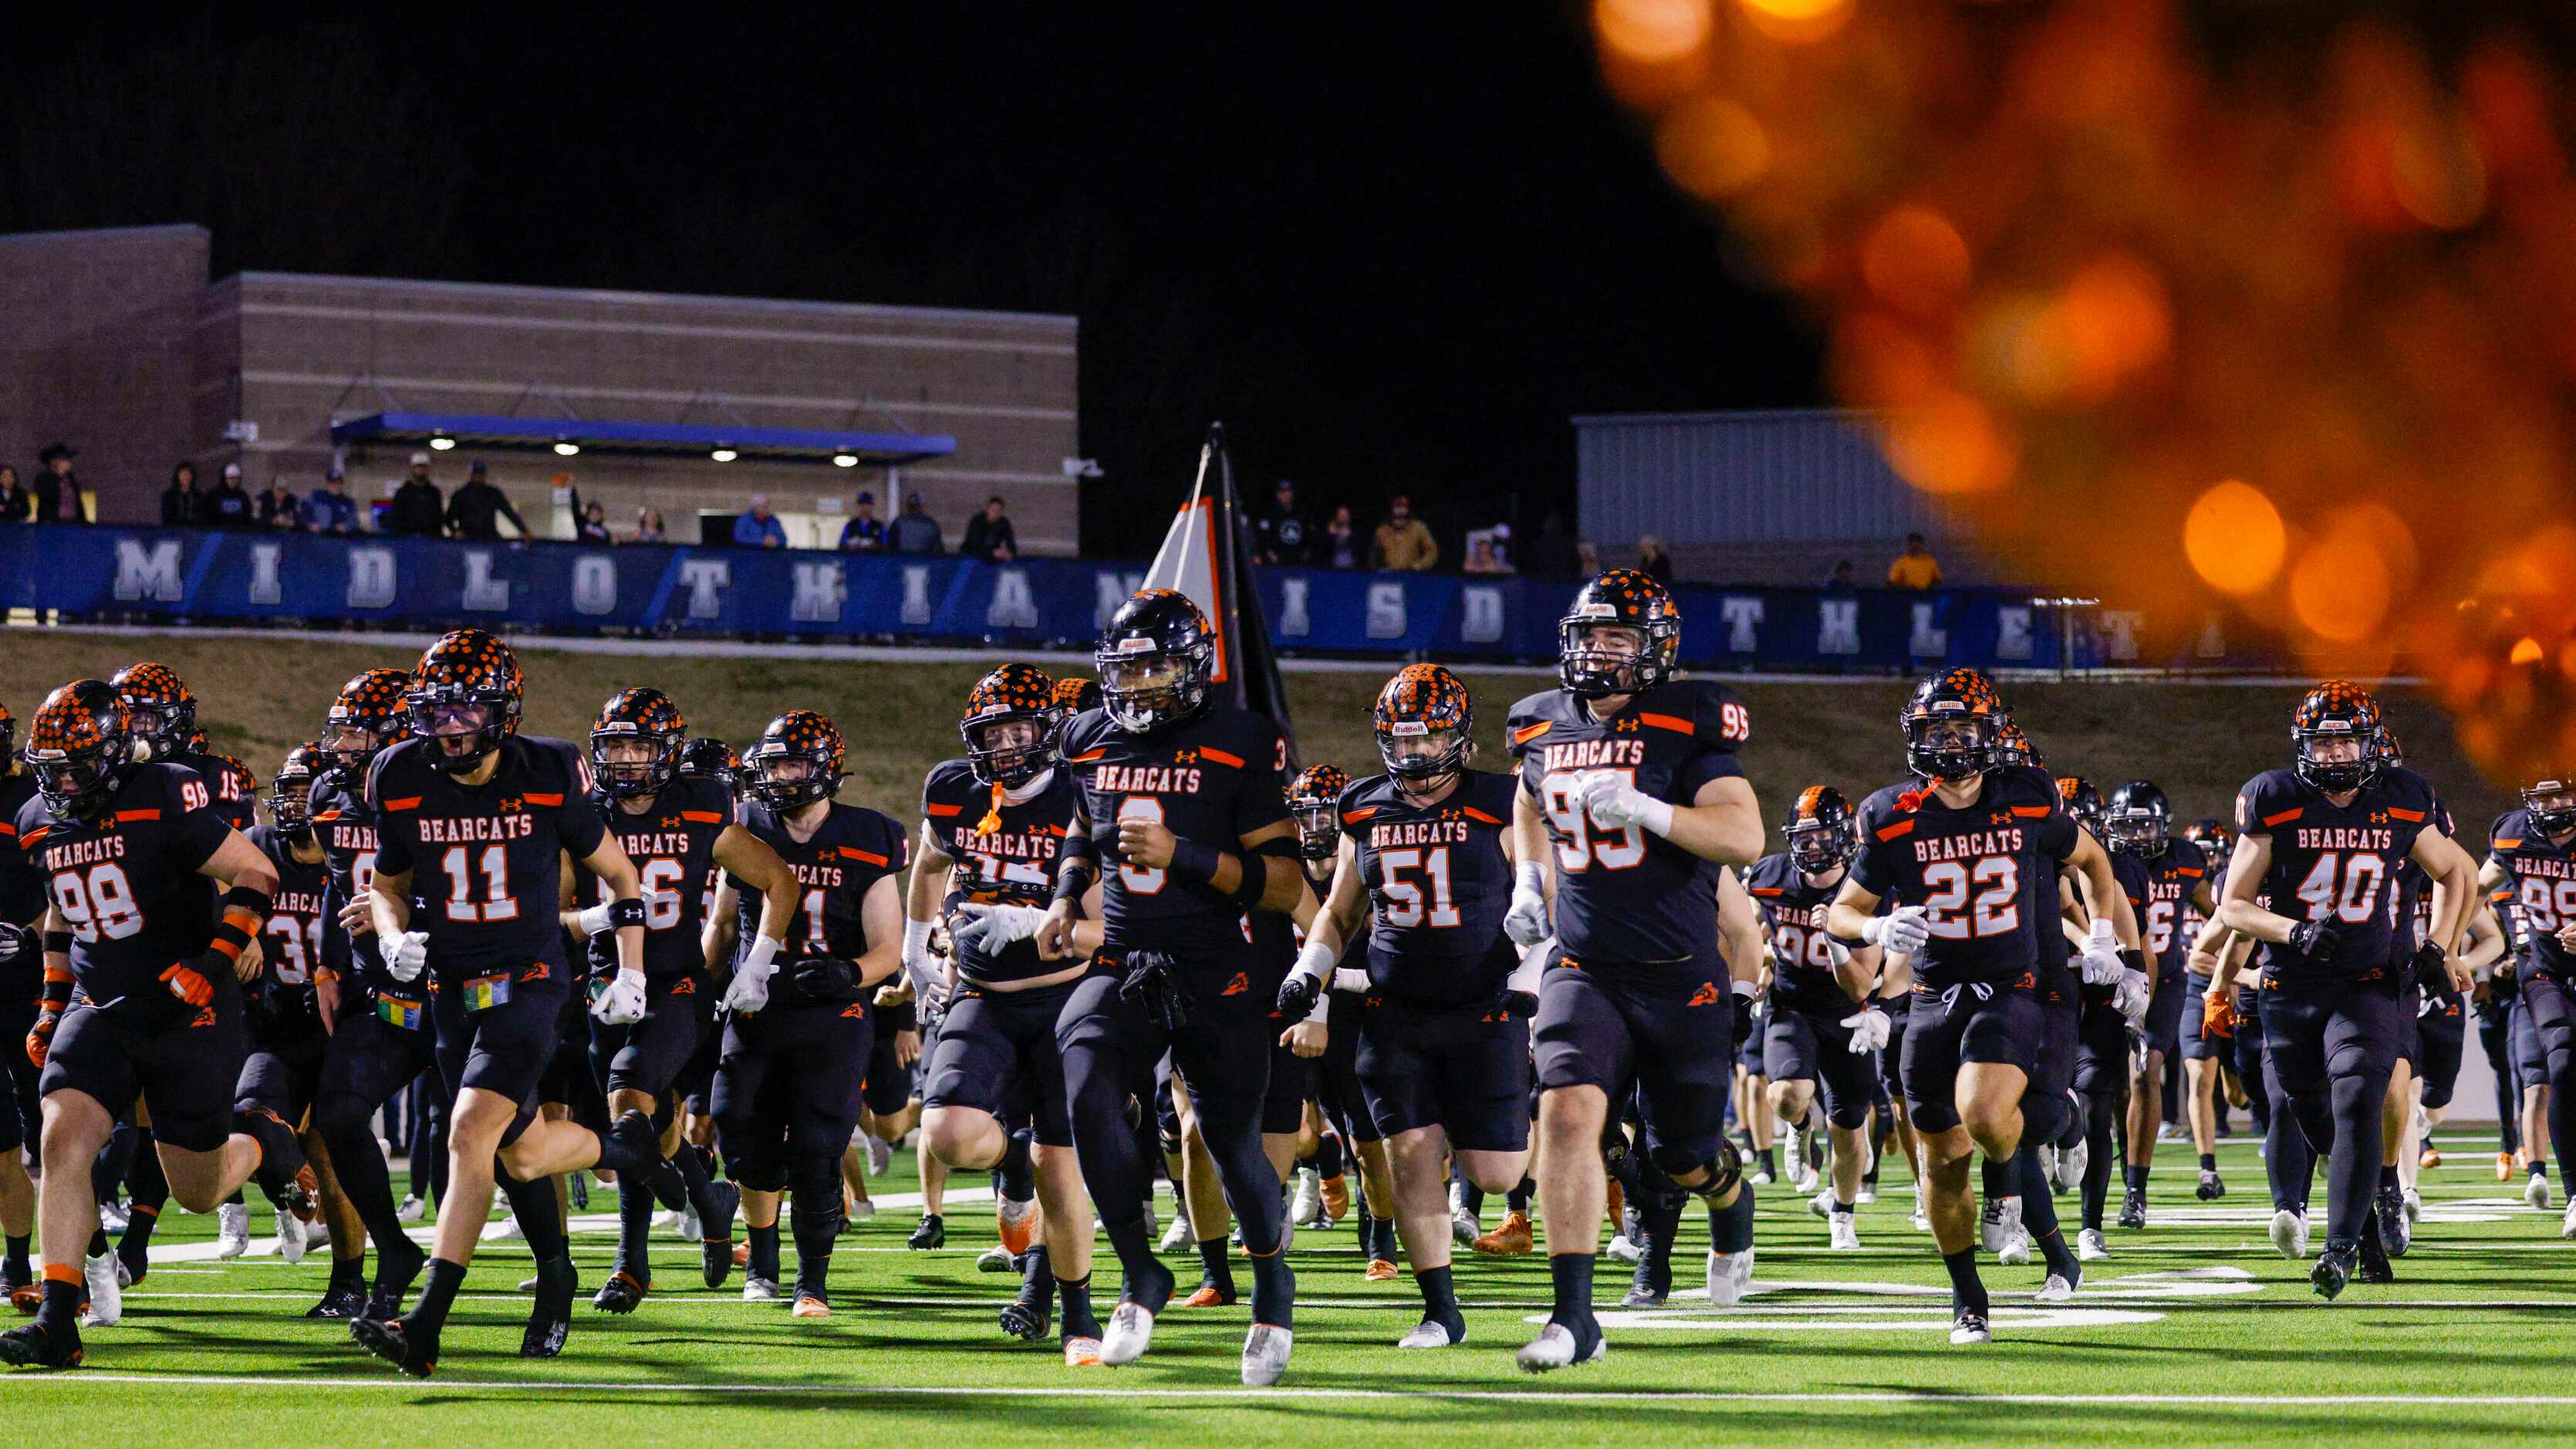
x: 2030, y: 812
x: 2285, y: 816
x: 1211, y: 752
x: 703, y: 817
x: 1354, y: 817
x: 408, y: 802
x: 533, y: 798
x: 1672, y: 722
x: 2508, y: 844
x: 942, y: 811
x: 1473, y: 813
x: 852, y: 852
x: 125, y: 815
x: 2190, y: 870
x: 2409, y: 816
x: 1527, y: 733
x: 1901, y: 827
x: 1087, y: 756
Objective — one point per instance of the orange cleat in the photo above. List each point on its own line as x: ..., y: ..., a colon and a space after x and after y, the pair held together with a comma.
x: 1017, y: 1223
x: 2521, y: 1161
x: 1379, y: 1271
x: 742, y: 1255
x: 1337, y: 1197
x: 27, y: 1298
x: 808, y: 1306
x: 1616, y: 1201
x: 2504, y: 1167
x: 1082, y: 1352
x: 1208, y: 1296
x: 2432, y: 1157
x: 1511, y: 1240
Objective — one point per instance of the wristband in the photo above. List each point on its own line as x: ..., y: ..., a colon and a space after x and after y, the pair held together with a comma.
x: 628, y: 911
x: 2134, y: 959
x: 1744, y: 990
x: 1072, y: 879
x: 1315, y: 961
x: 256, y: 904
x: 1195, y: 862
x: 1656, y: 815
x: 759, y: 956
x: 58, y: 943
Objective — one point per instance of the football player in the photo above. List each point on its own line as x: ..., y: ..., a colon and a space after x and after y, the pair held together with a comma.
x: 677, y: 833
x: 1968, y: 851
x: 127, y: 849
x: 2532, y: 853
x: 2138, y: 823
x: 787, y: 1088
x: 1192, y: 836
x: 1443, y: 1056
x: 992, y: 830
x: 1823, y: 1026
x: 472, y: 822
x: 1631, y: 789
x: 2330, y: 833
x: 22, y: 970
x: 2203, y: 1054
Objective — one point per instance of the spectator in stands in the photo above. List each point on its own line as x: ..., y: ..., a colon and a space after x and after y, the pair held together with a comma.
x: 1842, y: 578
x: 14, y: 502
x: 648, y: 526
x: 988, y: 537
x: 417, y: 509
x: 227, y: 504
x: 1551, y: 554
x: 1587, y: 560
x: 1651, y: 558
x: 280, y: 509
x: 329, y: 508
x: 759, y: 528
x: 865, y: 532
x: 1341, y: 548
x: 477, y: 508
x: 1481, y: 558
x: 594, y: 525
x: 1915, y: 568
x: 914, y: 530
x: 58, y: 497
x: 1403, y: 544
x: 181, y: 502
x: 1285, y: 535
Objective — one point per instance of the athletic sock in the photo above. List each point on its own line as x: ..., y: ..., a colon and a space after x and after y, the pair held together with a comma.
x: 61, y: 1307
x: 814, y: 1214
x: 1440, y: 1301
x: 1011, y: 1179
x: 1472, y: 1198
x: 1274, y: 1290
x: 98, y: 1242
x: 2209, y: 1162
x: 1327, y: 1160
x: 18, y: 1266
x: 539, y: 1216
x: 1073, y: 1297
x: 2039, y: 1216
x: 1518, y: 1199
x: 1571, y: 1276
x: 2388, y: 1179
x: 763, y: 1261
x: 1037, y: 1276
x: 701, y: 1194
x: 635, y: 1203
x: 1219, y: 1271
x: 1730, y: 1228
x: 1998, y: 1179
x: 1770, y: 1161
x: 1386, y: 1244
x: 437, y: 1295
x: 1966, y: 1291
x: 2133, y: 1177
x: 349, y: 1275
x: 134, y: 1245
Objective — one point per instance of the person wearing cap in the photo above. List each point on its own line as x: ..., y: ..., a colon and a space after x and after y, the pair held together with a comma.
x: 417, y: 509
x: 329, y: 508
x: 279, y: 508
x: 1403, y: 544
x: 864, y: 533
x: 476, y: 508
x: 227, y: 504
x: 57, y: 490
x: 914, y: 530
x: 759, y: 528
x: 181, y: 502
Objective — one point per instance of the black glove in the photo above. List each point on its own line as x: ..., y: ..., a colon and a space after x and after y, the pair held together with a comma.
x: 17, y: 943
x: 825, y: 978
x: 1297, y: 996
x: 2311, y: 938
x: 1743, y: 1023
x: 2135, y: 960
x: 2432, y: 969
x: 1522, y: 1005
x: 1152, y: 985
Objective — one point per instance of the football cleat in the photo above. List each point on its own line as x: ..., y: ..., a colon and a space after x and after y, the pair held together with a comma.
x: 2016, y: 1249
x: 292, y: 1239
x: 106, y: 1300
x: 1868, y: 1192
x: 2567, y: 1224
x: 1380, y: 1270
x: 1082, y: 1351
x: 1994, y: 1222
x: 2334, y: 1269
x: 2290, y: 1235
x: 1554, y: 1349
x: 1729, y: 1274
x: 1265, y: 1355
x: 1177, y: 1236
x: 715, y: 1250
x: 1307, y: 1203
x: 1210, y: 1294
x: 1968, y: 1326
x: 232, y: 1230
x: 113, y: 1217
x: 1429, y: 1333
x: 1846, y: 1233
x: 550, y: 1319
x: 2535, y: 1191
x: 1793, y: 1157
x: 35, y: 1346
x: 2414, y: 1208
x: 1025, y: 1319
x: 2055, y: 1290
x: 2070, y: 1167
x: 1511, y: 1240
x: 339, y: 1303
x: 1015, y: 1221
x: 2211, y: 1189
x: 688, y: 1225
x: 620, y: 1294
x: 665, y: 1220
x: 1652, y: 1283
x: 2392, y: 1222
x: 931, y: 1232
x: 756, y: 1289
x: 2375, y: 1267
x: 411, y: 1211
x: 2090, y: 1246
x: 2431, y: 1156
x: 809, y: 1306
x: 2504, y: 1167
x: 1623, y: 1248
x: 1337, y: 1197
x: 1130, y: 1333
x: 125, y: 1272
x: 2133, y: 1209
x: 398, y: 1343
x: 996, y: 1259
x: 857, y: 1210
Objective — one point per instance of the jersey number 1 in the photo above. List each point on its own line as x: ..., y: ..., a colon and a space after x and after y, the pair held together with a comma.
x: 497, y: 903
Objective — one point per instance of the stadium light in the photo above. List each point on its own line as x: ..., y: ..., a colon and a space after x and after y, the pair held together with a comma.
x: 722, y: 455
x: 442, y: 444
x: 845, y: 460
x: 567, y: 450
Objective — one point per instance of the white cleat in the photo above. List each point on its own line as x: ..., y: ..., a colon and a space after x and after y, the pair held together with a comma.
x: 1807, y: 1181
x: 2071, y: 1163
x: 1969, y: 1326
x: 2536, y: 1192
x: 317, y: 1234
x: 1729, y: 1274
x: 756, y: 1289
x: 1265, y: 1355
x: 1793, y: 1157
x: 411, y: 1211
x: 2567, y: 1224
x: 2055, y: 1290
x: 1177, y: 1236
x: 292, y: 1239
x: 2414, y: 1210
x: 880, y: 1156
x: 1308, y: 1201
x: 1624, y: 1249
x: 113, y: 1216
x: 2089, y: 1246
x: 862, y: 1210
x: 1554, y: 1349
x: 2290, y: 1233
x: 232, y: 1230
x: 1426, y: 1335
x: 2016, y: 1249
x: 1082, y: 1352
x: 1760, y: 1176
x: 1846, y: 1233
x: 1131, y: 1332
x: 665, y: 1219
x: 1822, y: 1204
x: 691, y: 1230
x: 2048, y: 1155
x: 995, y: 1259
x: 106, y: 1298
x: 1868, y: 1195
x: 124, y: 1274
x: 1919, y: 1220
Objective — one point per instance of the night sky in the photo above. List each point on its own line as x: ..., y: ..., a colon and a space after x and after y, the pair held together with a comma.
x: 1391, y: 249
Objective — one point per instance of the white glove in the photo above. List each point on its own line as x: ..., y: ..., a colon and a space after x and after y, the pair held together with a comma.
x: 987, y: 929
x: 1354, y: 978
x: 409, y: 957
x: 1525, y: 976
x: 1837, y: 953
x: 917, y: 963
x: 1614, y: 804
x: 622, y: 1004
x: 1526, y: 922
x: 594, y: 919
x: 1869, y: 1028
x: 1902, y: 930
x: 750, y: 989
x: 2131, y: 996
x: 2102, y: 964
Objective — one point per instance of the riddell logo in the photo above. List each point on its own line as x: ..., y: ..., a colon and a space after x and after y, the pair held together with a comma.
x: 1706, y: 995
x: 1239, y: 985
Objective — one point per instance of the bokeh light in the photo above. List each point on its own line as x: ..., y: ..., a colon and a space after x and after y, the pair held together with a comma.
x: 2234, y: 538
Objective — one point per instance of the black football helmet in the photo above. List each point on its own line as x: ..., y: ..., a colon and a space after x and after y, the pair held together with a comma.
x: 1952, y: 723
x: 709, y: 758
x: 465, y: 698
x: 1626, y: 599
x: 2138, y: 820
x: 2332, y: 714
x: 1314, y: 802
x: 2213, y: 837
x: 8, y: 738
x: 2082, y: 801
x: 1075, y: 693
x: 637, y: 715
x: 1426, y: 726
x: 369, y: 713
x: 1155, y: 660
x: 798, y: 761
x: 2012, y: 747
x: 161, y: 711
x: 2549, y: 802
x: 1822, y: 832
x: 290, y: 794
x: 82, y: 747
x: 1013, y: 694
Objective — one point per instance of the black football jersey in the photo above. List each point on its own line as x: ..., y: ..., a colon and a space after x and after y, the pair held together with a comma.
x: 346, y: 826
x: 2415, y: 898
x: 1629, y: 895
x: 1802, y: 969
x: 2541, y: 878
x: 850, y: 851
x: 1978, y: 872
x: 1439, y: 885
x: 22, y: 886
x: 486, y: 860
x: 1010, y: 863
x: 1212, y: 779
x: 235, y: 793
x: 127, y: 886
x: 673, y: 847
x: 291, y: 941
x: 2337, y: 863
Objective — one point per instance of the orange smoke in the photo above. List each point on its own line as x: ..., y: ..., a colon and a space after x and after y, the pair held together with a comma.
x: 2288, y: 337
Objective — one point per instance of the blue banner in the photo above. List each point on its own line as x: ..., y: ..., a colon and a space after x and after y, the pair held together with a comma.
x: 160, y: 574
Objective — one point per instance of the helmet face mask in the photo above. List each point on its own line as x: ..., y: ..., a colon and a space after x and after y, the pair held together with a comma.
x: 465, y: 699
x: 1314, y: 802
x: 1621, y: 635
x: 290, y: 796
x: 1823, y: 833
x: 1950, y: 747
x: 2336, y: 735
x: 635, y: 744
x: 2550, y: 804
x: 1426, y: 727
x: 1011, y: 726
x: 2138, y: 820
x: 81, y: 748
x: 160, y: 712
x: 369, y: 714
x: 797, y: 763
x: 1155, y: 661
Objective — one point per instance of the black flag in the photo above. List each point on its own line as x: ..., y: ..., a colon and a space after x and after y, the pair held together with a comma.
x: 1207, y: 556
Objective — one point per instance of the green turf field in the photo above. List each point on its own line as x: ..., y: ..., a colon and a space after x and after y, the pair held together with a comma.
x: 2194, y: 1331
